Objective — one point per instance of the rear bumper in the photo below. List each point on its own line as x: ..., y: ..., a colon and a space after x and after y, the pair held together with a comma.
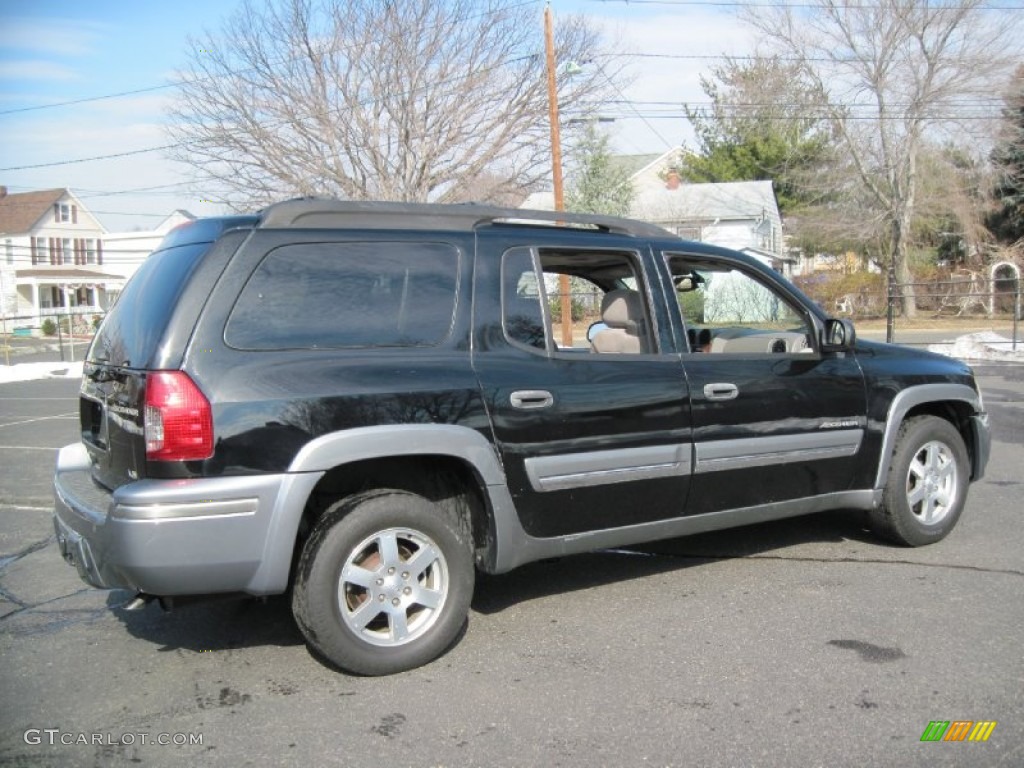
x: 178, y: 537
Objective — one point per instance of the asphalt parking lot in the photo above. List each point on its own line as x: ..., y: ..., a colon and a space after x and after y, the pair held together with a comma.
x: 802, y: 642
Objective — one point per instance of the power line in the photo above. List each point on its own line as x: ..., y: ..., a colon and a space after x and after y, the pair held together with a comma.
x: 859, y: 118
x: 615, y: 87
x: 334, y: 47
x: 24, y: 252
x: 87, y: 99
x: 90, y: 159
x: 755, y: 4
x: 158, y: 190
x: 101, y: 193
x: 279, y: 124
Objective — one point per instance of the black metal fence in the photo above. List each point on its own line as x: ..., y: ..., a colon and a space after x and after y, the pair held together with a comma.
x: 66, y: 326
x: 967, y: 297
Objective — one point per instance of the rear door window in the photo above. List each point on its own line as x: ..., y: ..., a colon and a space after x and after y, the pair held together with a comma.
x: 343, y: 295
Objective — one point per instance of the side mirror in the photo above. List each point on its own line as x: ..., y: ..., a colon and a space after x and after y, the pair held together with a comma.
x: 839, y: 334
x: 594, y: 329
x: 688, y: 283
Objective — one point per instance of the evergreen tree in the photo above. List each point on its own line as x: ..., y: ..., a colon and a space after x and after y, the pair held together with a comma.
x: 597, y: 183
x: 763, y: 124
x: 1006, y: 222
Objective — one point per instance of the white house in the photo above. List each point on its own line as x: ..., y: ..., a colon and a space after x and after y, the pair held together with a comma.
x: 124, y: 252
x: 55, y: 247
x: 743, y: 215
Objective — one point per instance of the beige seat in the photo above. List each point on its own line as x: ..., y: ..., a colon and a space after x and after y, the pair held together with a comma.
x: 623, y: 312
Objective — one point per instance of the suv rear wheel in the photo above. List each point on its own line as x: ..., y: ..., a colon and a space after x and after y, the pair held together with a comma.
x: 384, y: 582
x: 927, y: 483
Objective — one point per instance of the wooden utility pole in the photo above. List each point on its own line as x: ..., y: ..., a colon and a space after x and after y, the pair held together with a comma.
x: 556, y: 166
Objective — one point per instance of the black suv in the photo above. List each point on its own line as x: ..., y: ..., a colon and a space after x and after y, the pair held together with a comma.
x: 363, y: 403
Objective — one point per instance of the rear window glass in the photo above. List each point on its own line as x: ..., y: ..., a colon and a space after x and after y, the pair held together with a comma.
x: 132, y: 329
x: 335, y: 295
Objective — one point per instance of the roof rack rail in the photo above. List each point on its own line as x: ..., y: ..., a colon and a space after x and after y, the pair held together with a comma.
x: 320, y: 213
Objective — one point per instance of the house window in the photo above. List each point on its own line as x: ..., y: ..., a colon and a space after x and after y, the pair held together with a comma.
x: 67, y: 251
x: 9, y: 248
x: 84, y: 297
x: 39, y: 252
x: 90, y: 251
x: 688, y: 233
x: 63, y: 212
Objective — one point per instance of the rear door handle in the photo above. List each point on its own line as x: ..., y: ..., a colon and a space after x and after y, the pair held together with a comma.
x: 531, y: 399
x: 721, y: 391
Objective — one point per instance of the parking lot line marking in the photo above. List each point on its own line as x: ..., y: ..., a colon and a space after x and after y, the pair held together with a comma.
x: 41, y: 418
x: 4, y: 399
x: 28, y: 448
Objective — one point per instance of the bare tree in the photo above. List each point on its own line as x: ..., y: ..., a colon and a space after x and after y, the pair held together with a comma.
x: 375, y: 99
x: 951, y: 213
x: 893, y: 70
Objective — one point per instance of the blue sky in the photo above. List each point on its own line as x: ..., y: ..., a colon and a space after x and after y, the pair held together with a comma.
x: 55, y: 51
x: 58, y: 51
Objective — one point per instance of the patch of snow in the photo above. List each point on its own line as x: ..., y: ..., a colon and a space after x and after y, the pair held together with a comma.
x: 984, y: 345
x: 35, y: 371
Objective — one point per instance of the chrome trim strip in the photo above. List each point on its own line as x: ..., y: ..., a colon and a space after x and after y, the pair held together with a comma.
x: 199, y: 510
x: 618, y: 465
x: 749, y: 452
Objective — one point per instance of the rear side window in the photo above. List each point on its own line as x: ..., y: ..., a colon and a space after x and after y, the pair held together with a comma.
x: 134, y: 326
x: 337, y: 295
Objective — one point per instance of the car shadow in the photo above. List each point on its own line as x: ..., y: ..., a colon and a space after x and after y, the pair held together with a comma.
x: 576, y: 572
x: 215, y: 624
x: 228, y: 623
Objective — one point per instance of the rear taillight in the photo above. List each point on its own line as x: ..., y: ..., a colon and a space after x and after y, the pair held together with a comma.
x: 178, y: 419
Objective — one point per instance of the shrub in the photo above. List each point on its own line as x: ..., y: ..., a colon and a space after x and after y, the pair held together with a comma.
x: 692, y: 305
x: 859, y: 294
x: 579, y: 310
x: 49, y: 327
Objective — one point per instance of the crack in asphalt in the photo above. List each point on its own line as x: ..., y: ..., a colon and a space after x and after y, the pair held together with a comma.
x: 31, y: 606
x: 22, y: 605
x: 808, y: 559
x: 12, y: 559
x: 10, y: 597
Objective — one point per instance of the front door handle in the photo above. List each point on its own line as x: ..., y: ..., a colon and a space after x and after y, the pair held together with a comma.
x: 531, y: 399
x: 721, y: 391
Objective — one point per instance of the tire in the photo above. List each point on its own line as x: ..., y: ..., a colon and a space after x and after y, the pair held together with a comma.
x: 384, y: 582
x: 926, y: 489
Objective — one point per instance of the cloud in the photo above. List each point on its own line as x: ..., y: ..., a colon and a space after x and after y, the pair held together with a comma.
x: 692, y: 41
x: 36, y: 69
x: 60, y: 37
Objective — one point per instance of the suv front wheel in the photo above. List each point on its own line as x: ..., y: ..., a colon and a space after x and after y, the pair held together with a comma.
x: 927, y: 484
x: 384, y: 582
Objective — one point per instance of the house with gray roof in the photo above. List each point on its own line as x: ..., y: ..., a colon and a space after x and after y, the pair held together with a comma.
x: 743, y: 215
